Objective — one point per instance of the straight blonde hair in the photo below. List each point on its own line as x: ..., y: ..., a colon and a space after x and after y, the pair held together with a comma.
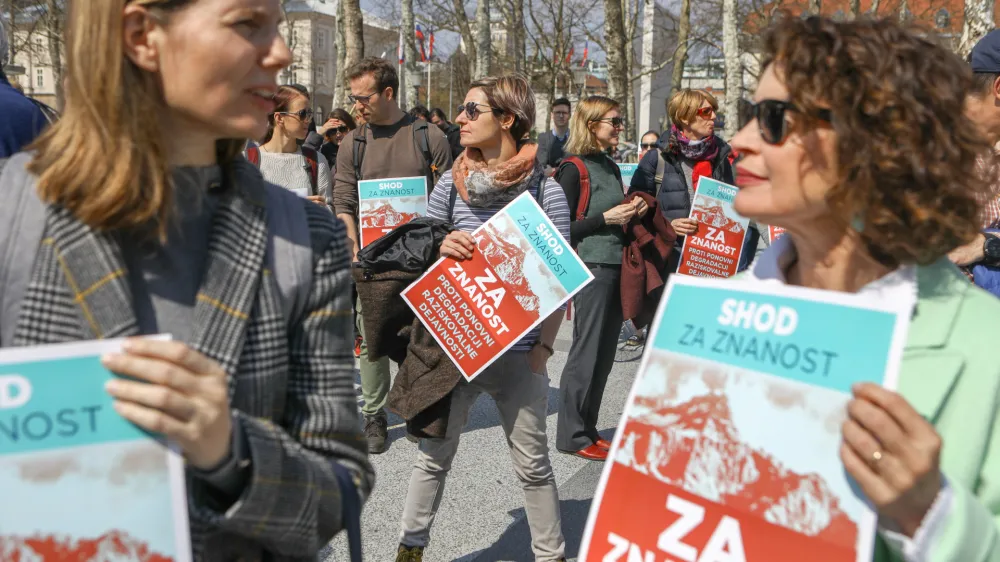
x: 104, y: 160
x: 582, y: 140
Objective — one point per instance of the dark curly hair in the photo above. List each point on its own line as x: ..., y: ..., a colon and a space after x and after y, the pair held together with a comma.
x: 910, y: 163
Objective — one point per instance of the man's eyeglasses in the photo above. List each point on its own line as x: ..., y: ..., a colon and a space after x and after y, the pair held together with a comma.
x: 302, y: 114
x: 472, y: 110
x: 616, y: 122
x: 706, y: 112
x: 770, y: 116
x: 363, y: 100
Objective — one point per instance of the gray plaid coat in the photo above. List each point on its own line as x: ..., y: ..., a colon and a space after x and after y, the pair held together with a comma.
x: 291, y: 383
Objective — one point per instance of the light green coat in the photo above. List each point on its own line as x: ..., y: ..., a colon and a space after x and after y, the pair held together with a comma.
x: 951, y: 375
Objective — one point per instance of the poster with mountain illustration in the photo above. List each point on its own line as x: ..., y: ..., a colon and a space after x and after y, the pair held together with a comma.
x: 773, y: 232
x: 77, y: 481
x: 728, y: 449
x: 388, y: 203
x: 628, y: 170
x: 522, y: 271
x: 714, y: 250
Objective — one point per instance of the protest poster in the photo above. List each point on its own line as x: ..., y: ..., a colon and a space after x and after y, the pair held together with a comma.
x: 76, y: 478
x: 715, y: 249
x: 728, y: 449
x: 628, y: 170
x: 388, y: 203
x: 773, y: 232
x: 522, y: 271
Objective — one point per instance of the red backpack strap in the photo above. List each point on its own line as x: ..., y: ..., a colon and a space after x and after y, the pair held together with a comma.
x: 312, y: 159
x: 253, y: 155
x: 584, y: 201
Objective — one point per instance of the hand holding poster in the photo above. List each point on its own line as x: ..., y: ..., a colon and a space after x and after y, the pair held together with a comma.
x: 75, y: 477
x: 628, y: 170
x: 715, y: 249
x: 521, y: 272
x: 388, y: 203
x: 728, y: 449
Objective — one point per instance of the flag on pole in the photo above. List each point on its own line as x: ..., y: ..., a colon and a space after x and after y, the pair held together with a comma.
x: 401, y: 51
x: 420, y: 41
x: 430, y: 48
x: 586, y: 48
x: 569, y: 55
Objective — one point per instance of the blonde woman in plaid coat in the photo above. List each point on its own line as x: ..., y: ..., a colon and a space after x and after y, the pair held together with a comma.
x: 136, y: 215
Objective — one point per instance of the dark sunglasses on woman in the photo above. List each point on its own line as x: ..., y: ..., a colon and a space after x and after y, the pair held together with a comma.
x: 706, y: 112
x: 770, y: 116
x: 616, y: 122
x: 648, y: 145
x: 302, y: 114
x: 472, y: 110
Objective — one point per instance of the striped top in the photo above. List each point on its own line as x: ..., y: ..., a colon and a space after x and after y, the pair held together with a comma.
x: 468, y: 219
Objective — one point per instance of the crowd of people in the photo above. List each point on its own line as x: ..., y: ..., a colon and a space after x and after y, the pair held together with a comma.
x: 183, y: 191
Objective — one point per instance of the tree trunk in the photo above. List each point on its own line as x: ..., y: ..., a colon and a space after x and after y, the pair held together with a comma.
x: 874, y: 9
x: 484, y: 45
x: 853, y: 9
x: 815, y: 7
x: 904, y: 9
x: 734, y: 68
x: 630, y: 20
x: 339, y: 99
x: 468, y: 40
x: 978, y: 22
x: 354, y: 39
x: 680, y: 55
x: 408, y: 98
x: 55, y: 32
x: 519, y: 35
x: 617, y: 59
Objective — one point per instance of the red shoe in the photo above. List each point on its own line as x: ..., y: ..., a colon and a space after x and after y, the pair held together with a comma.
x: 357, y: 347
x: 591, y: 453
x: 604, y: 444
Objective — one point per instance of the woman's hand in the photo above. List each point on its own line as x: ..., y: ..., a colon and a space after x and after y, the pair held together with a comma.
x: 893, y: 453
x: 641, y: 207
x: 684, y: 227
x: 458, y: 246
x: 538, y: 357
x: 620, y: 214
x: 180, y: 394
x: 330, y: 124
x: 318, y: 199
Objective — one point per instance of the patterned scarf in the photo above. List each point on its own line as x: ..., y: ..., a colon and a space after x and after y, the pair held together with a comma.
x: 701, y: 152
x: 481, y: 185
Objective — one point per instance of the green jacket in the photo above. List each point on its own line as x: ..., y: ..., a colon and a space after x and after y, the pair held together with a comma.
x: 951, y: 375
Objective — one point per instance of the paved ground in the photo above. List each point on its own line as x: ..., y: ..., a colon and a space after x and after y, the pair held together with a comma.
x: 482, y: 517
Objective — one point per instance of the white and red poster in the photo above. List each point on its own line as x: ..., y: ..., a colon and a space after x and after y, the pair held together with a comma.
x: 773, y: 232
x: 389, y: 203
x: 728, y: 449
x: 714, y: 250
x: 521, y: 272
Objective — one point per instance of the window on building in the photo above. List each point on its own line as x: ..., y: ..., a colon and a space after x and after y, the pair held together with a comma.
x: 320, y: 39
x: 942, y: 19
x: 39, y: 78
x: 321, y: 73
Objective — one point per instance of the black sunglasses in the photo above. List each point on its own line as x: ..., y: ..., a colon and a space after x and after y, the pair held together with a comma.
x: 340, y: 129
x: 616, y: 122
x: 770, y: 116
x: 648, y: 145
x: 472, y: 111
x: 302, y: 114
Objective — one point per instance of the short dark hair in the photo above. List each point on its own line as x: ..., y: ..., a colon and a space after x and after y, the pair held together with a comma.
x: 982, y: 82
x: 437, y: 112
x: 381, y: 70
x: 561, y: 101
x: 650, y: 132
x: 420, y: 111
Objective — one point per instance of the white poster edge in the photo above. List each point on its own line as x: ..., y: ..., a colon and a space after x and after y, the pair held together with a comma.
x: 427, y: 203
x: 746, y: 225
x: 865, y: 542
x: 569, y: 297
x: 175, y: 459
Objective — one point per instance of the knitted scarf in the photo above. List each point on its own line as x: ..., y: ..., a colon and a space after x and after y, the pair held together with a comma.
x: 701, y: 152
x: 481, y: 185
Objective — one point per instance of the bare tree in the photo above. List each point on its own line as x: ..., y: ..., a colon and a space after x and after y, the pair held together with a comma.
x: 734, y: 67
x: 874, y: 9
x: 484, y: 42
x: 354, y: 38
x: 815, y: 7
x: 681, y: 52
x: 55, y: 19
x: 978, y: 22
x: 340, y: 86
x: 853, y: 9
x: 615, y: 48
x: 408, y: 97
x: 517, y: 27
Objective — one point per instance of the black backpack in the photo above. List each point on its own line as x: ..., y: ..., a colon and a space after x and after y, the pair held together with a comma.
x: 420, y: 137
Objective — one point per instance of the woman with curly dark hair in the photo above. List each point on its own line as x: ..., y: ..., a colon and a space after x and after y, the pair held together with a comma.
x: 690, y: 151
x: 859, y: 148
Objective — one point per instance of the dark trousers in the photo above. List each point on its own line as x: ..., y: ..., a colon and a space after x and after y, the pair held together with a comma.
x: 597, y: 322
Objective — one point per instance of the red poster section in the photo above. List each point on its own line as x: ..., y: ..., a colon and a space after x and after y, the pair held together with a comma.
x: 644, y: 519
x: 472, y: 312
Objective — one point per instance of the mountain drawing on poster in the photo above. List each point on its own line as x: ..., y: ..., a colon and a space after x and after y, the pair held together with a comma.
x: 516, y: 263
x: 386, y: 215
x: 682, y: 431
x: 115, y: 546
x: 711, y: 212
